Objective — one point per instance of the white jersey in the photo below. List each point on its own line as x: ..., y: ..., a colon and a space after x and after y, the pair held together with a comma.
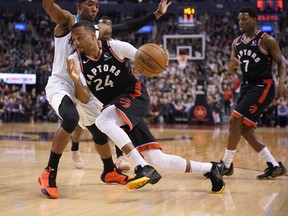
x: 63, y: 48
x: 60, y: 83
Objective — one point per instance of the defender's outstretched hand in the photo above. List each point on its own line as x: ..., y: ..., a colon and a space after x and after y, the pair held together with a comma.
x: 162, y: 8
x: 73, y: 70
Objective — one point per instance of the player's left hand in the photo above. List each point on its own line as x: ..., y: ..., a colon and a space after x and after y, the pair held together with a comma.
x: 282, y: 90
x: 73, y: 70
x: 162, y: 8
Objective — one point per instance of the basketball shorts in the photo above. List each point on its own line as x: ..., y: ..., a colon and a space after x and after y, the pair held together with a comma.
x: 142, y: 138
x: 57, y: 88
x: 133, y: 105
x: 253, y: 100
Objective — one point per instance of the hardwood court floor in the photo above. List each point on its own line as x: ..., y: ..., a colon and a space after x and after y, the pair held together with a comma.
x: 24, y: 152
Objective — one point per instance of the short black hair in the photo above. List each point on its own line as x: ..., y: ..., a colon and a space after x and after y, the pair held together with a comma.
x: 251, y: 11
x: 106, y: 20
x: 81, y: 1
x: 86, y: 24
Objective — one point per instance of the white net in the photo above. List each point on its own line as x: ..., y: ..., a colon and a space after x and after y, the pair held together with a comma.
x: 182, y: 61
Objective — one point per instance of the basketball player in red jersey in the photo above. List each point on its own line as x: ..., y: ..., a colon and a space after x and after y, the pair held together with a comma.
x: 60, y: 91
x: 253, y: 52
x: 126, y: 101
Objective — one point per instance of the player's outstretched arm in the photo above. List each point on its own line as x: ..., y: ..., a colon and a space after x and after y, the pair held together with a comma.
x: 56, y: 13
x: 162, y: 8
x: 136, y: 24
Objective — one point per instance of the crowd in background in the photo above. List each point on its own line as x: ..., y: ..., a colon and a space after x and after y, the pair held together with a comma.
x: 172, y: 93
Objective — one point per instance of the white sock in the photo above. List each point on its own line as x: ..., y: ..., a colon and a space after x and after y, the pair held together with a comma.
x: 267, y: 156
x: 136, y: 158
x: 228, y: 157
x: 200, y: 167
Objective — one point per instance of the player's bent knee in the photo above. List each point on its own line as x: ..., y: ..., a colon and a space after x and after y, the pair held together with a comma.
x: 101, y: 139
x: 69, y: 115
x: 98, y: 137
x: 69, y: 124
x: 101, y: 124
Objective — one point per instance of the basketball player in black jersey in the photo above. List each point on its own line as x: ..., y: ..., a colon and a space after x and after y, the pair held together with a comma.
x: 253, y: 52
x: 60, y: 89
x: 126, y: 102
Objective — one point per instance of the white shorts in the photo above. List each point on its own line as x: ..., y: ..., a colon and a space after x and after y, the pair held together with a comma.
x: 57, y: 88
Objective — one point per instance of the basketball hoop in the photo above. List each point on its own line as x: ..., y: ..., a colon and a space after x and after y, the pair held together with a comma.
x: 182, y: 61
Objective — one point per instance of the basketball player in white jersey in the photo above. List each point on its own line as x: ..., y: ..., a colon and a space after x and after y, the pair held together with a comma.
x: 60, y: 91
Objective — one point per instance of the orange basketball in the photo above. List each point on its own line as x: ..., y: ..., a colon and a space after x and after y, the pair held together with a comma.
x: 151, y: 59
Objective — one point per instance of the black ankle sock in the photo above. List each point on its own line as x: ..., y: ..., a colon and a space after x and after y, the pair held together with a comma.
x: 118, y: 152
x: 108, y: 164
x: 54, y: 160
x: 75, y: 146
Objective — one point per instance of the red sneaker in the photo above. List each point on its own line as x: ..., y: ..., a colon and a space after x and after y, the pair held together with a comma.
x: 47, y: 181
x: 114, y: 177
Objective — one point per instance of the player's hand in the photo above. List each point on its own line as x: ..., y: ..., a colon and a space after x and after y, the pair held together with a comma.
x: 162, y: 8
x: 282, y: 90
x: 73, y: 70
x: 233, y: 65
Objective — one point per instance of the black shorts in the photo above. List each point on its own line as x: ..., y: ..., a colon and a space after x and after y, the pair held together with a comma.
x: 253, y: 100
x: 133, y: 104
x: 142, y: 138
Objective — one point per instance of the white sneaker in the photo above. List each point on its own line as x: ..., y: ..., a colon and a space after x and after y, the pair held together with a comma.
x: 122, y: 164
x: 77, y: 159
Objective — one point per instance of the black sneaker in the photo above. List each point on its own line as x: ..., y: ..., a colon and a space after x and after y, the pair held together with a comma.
x: 228, y: 171
x: 273, y: 172
x: 215, y: 175
x: 144, y: 175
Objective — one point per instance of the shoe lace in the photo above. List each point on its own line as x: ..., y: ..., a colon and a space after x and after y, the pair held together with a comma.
x: 52, y: 177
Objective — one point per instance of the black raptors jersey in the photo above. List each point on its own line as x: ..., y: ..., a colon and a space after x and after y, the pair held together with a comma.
x: 256, y: 63
x: 107, y: 76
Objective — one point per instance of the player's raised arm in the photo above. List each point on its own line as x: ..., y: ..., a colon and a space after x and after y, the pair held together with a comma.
x: 123, y: 49
x: 136, y: 24
x: 56, y: 13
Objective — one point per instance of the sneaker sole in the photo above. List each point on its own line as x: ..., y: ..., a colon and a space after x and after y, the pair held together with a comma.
x: 220, y: 191
x: 138, y: 183
x: 228, y: 174
x: 118, y: 182
x: 156, y: 177
x: 268, y: 177
x: 45, y: 192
